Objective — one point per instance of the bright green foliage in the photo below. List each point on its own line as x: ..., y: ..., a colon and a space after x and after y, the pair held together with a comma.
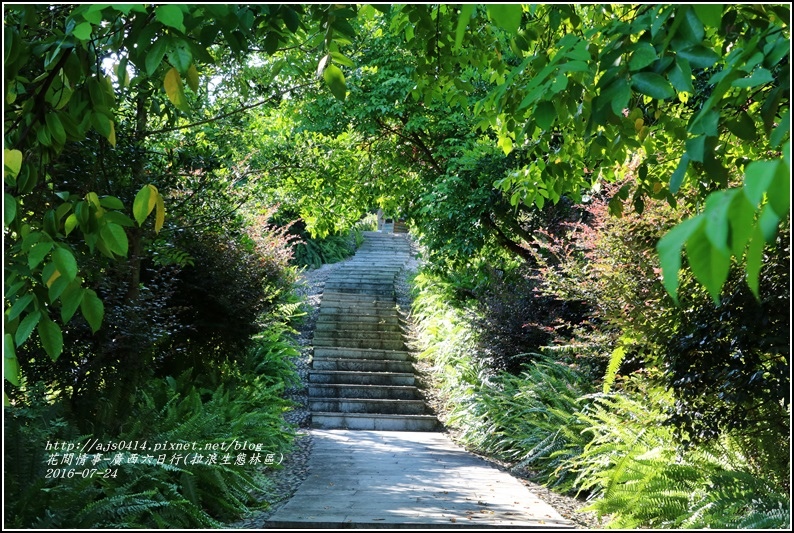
x: 731, y: 225
x: 107, y: 77
x: 247, y: 405
x: 528, y: 419
x: 698, y: 93
x: 639, y: 476
x: 313, y: 253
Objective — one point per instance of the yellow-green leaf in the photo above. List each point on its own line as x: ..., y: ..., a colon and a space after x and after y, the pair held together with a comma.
x: 193, y: 78
x: 159, y: 218
x: 175, y: 90
x: 12, y: 160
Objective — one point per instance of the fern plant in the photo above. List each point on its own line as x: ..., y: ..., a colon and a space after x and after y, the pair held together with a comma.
x: 641, y: 476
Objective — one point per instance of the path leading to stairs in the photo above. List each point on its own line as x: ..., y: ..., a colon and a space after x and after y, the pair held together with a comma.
x: 379, y: 458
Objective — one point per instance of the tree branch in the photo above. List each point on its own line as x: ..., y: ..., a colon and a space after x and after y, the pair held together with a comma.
x: 229, y: 114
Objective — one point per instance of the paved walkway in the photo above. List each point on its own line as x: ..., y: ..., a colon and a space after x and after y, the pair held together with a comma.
x: 401, y: 479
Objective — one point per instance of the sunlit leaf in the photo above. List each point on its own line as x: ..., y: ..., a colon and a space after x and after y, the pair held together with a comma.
x: 669, y: 249
x: 175, y: 90
x: 12, y: 160
x: 171, y: 15
x: 506, y: 16
x: 709, y: 264
x: 335, y: 80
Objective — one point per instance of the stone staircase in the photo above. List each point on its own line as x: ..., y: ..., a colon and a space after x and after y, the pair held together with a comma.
x: 361, y: 376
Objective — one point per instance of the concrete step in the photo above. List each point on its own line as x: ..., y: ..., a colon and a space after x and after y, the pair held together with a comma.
x: 378, y: 291
x: 355, y: 323
x: 370, y: 276
x: 362, y: 317
x: 352, y: 299
x: 336, y: 352
x: 361, y: 365
x: 382, y: 392
x: 362, y: 421
x: 366, y: 309
x: 361, y: 334
x: 363, y: 405
x: 343, y: 377
x: 374, y: 344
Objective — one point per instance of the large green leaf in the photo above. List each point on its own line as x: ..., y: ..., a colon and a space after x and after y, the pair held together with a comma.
x: 506, y: 16
x: 699, y: 56
x: 180, y: 56
x: 644, y: 54
x: 717, y: 224
x: 10, y: 363
x: 679, y: 174
x: 92, y: 309
x: 19, y: 306
x: 83, y: 31
x: 155, y: 55
x: 709, y: 14
x: 71, y: 299
x: 26, y: 327
x: 709, y: 264
x: 171, y: 15
x: 115, y: 238
x: 544, y: 115
x: 9, y: 208
x: 335, y: 80
x: 760, y: 76
x: 653, y: 85
x: 37, y: 254
x: 669, y: 249
x: 65, y: 262
x: 758, y: 177
x: 51, y: 337
x: 466, y: 11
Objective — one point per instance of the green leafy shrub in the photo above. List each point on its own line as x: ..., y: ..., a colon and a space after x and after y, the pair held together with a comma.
x: 235, y: 282
x: 727, y: 364
x: 528, y: 419
x: 314, y: 252
x: 639, y: 475
x: 246, y: 406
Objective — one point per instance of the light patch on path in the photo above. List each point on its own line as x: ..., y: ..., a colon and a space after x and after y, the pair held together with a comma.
x: 407, y: 479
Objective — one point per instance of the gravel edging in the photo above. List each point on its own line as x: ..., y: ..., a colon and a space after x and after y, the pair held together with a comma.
x: 283, y: 482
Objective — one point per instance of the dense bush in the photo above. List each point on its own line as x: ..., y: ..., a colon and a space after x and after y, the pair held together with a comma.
x: 727, y: 364
x: 245, y: 406
x: 639, y: 474
x: 233, y: 282
x: 517, y: 321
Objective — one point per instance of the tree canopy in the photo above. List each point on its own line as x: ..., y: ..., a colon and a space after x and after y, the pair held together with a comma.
x: 467, y: 118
